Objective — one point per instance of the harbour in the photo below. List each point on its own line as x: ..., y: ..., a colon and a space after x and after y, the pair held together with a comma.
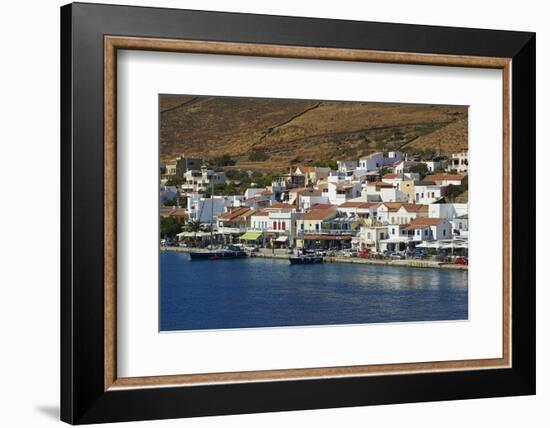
x: 261, y: 292
x: 283, y: 255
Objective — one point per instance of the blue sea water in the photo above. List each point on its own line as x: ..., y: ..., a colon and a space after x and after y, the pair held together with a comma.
x: 255, y: 292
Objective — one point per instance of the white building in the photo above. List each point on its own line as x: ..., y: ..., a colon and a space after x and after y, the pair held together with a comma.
x: 305, y: 202
x: 207, y: 210
x: 372, y: 162
x: 200, y: 180
x: 370, y: 237
x: 392, y: 195
x: 458, y: 162
x: 253, y: 191
x: 392, y: 158
x: 359, y: 209
x: 448, y: 211
x: 435, y: 164
x: 346, y: 165
x: 403, y: 166
x: 340, y: 192
x: 446, y: 179
x: 428, y: 192
x: 400, y: 213
x: 431, y: 229
x: 259, y: 221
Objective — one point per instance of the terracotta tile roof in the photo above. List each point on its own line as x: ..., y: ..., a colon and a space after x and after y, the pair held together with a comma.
x: 391, y: 176
x: 341, y: 186
x: 415, y: 207
x: 282, y: 205
x: 319, y: 214
x: 236, y: 214
x: 173, y: 212
x: 380, y: 184
x: 262, y: 213
x: 426, y: 221
x: 321, y: 207
x: 393, y: 206
x: 351, y: 204
x: 442, y: 177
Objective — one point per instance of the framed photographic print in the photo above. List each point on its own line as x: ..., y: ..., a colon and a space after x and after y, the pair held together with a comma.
x: 265, y: 213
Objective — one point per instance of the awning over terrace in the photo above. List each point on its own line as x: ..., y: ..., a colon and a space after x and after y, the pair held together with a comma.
x: 251, y: 235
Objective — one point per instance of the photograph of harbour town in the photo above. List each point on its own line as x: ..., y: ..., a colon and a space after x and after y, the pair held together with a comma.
x: 292, y: 212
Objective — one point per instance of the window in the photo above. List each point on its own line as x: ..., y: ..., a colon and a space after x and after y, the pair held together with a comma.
x: 275, y: 225
x: 317, y: 227
x: 444, y: 232
x: 302, y: 226
x: 393, y: 230
x: 283, y: 225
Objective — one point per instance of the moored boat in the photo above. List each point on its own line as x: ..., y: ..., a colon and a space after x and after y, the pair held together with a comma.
x: 305, y: 259
x: 229, y: 252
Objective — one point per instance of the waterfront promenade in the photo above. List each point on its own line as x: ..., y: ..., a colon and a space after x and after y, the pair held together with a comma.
x: 414, y: 263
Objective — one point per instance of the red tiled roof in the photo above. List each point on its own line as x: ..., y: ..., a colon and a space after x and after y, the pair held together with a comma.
x: 393, y: 206
x: 281, y: 205
x: 236, y: 213
x: 262, y: 213
x: 319, y: 214
x: 391, y: 176
x: 415, y: 207
x: 351, y: 204
x: 320, y: 207
x: 442, y: 177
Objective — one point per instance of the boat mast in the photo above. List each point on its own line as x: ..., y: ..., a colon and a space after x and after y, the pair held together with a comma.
x: 211, y: 210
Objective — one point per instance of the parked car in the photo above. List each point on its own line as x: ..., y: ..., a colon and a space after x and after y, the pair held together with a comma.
x: 417, y: 253
x: 461, y: 261
x: 396, y: 256
x: 182, y: 245
x: 350, y: 253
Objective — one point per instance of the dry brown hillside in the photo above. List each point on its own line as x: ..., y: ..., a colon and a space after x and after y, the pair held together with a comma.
x: 450, y: 138
x: 300, y: 131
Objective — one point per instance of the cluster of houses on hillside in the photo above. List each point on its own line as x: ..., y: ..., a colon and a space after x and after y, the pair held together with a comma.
x: 377, y: 202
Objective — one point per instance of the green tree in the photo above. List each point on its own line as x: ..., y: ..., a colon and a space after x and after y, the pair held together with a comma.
x: 169, y: 227
x: 175, y: 181
x: 170, y: 202
x: 420, y: 168
x: 452, y: 192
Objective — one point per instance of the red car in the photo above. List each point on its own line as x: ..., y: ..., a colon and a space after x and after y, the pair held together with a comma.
x: 461, y: 261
